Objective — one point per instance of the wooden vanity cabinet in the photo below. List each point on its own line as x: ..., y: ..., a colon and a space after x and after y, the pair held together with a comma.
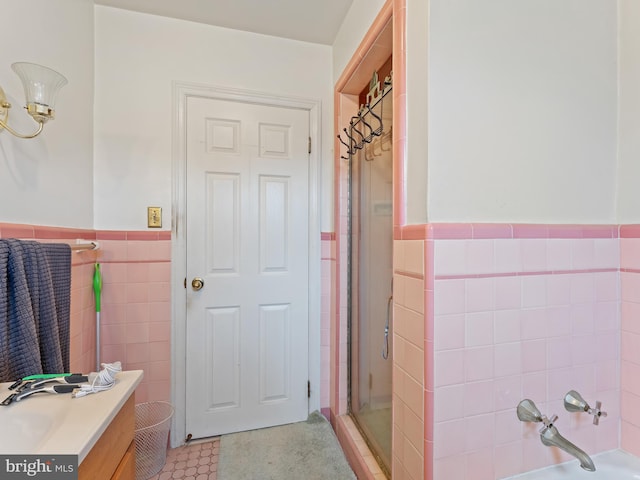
x: 113, y: 457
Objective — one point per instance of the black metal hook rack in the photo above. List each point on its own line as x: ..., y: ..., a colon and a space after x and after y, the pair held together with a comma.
x: 374, y: 97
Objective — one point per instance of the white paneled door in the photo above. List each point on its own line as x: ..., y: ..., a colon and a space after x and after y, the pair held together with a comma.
x: 247, y: 266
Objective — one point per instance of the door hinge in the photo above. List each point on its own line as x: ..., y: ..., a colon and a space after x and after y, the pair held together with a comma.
x: 309, y: 144
x: 185, y: 282
x: 370, y: 382
x: 308, y: 389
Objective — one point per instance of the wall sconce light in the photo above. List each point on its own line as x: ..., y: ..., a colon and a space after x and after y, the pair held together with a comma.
x: 41, y: 87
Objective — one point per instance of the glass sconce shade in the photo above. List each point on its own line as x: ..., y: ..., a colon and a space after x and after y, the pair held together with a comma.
x: 41, y: 87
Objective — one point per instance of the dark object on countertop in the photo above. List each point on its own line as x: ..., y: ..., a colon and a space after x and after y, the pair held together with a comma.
x: 52, y: 389
x: 66, y: 383
x: 38, y: 376
x: 72, y: 379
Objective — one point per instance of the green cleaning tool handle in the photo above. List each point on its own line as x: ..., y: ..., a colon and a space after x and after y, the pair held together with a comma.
x: 40, y: 376
x: 97, y: 285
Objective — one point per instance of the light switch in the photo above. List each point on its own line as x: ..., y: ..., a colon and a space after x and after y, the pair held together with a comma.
x: 154, y: 217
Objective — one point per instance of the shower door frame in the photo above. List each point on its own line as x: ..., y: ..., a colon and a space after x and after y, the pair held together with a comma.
x: 353, y: 328
x: 378, y: 43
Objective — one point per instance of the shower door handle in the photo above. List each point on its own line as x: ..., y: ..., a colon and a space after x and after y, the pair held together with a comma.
x: 197, y: 283
x: 385, y: 342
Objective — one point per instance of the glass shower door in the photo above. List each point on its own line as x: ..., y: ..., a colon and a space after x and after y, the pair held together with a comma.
x: 370, y: 289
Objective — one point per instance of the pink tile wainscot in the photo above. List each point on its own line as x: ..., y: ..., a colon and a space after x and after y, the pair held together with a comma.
x: 515, y: 311
x: 136, y: 309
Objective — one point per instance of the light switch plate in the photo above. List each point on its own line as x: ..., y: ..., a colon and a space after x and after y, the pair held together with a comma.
x: 154, y: 217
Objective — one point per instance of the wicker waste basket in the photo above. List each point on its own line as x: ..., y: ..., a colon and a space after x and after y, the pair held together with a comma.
x: 153, y: 422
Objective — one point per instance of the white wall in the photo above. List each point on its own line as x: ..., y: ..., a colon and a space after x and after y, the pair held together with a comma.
x: 417, y: 113
x: 513, y: 104
x: 48, y: 180
x: 629, y: 113
x: 522, y: 111
x: 138, y: 56
x: 353, y: 29
x: 521, y: 119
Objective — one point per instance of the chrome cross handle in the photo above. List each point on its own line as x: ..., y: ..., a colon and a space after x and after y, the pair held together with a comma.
x: 548, y: 423
x: 573, y: 402
x: 528, y: 412
x: 597, y: 413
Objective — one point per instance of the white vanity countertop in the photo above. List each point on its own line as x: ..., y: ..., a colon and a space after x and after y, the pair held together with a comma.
x: 59, y: 424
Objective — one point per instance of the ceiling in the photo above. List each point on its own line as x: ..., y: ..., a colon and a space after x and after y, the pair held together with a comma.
x: 316, y: 21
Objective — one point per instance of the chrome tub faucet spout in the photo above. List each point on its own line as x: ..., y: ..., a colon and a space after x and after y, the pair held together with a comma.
x: 549, y: 435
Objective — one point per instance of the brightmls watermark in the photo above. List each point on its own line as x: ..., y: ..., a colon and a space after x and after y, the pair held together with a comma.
x: 49, y: 467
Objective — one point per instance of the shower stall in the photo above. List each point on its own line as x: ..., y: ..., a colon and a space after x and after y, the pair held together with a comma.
x: 370, y: 269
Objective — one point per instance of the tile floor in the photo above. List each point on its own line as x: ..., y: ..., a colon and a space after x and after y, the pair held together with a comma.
x: 196, y: 461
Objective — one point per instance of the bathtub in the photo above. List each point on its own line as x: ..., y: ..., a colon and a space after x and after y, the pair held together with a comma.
x: 612, y: 465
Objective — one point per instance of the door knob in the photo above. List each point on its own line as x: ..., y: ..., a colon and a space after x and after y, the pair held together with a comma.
x: 197, y: 283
